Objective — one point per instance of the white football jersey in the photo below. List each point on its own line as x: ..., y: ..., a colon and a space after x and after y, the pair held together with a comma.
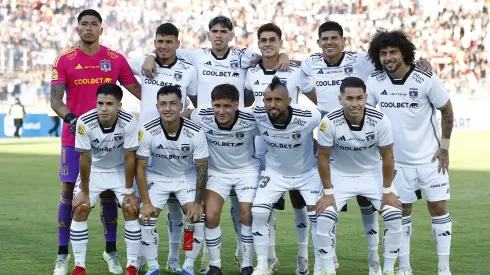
x: 289, y: 146
x: 213, y: 70
x: 411, y: 105
x: 172, y: 156
x: 328, y: 77
x: 258, y: 78
x: 106, y: 144
x: 355, y: 149
x: 180, y: 74
x: 231, y: 149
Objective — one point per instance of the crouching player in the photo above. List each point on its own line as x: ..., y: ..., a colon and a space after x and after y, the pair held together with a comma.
x: 357, y: 137
x: 107, y: 139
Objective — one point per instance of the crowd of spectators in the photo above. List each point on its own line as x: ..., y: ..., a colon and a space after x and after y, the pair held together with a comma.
x: 451, y: 34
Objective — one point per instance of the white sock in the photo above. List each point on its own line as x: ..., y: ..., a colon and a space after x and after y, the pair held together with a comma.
x: 213, y: 242
x: 191, y: 256
x: 369, y: 217
x: 302, y: 229
x: 175, y: 226
x: 79, y: 241
x: 237, y: 220
x: 150, y: 240
x: 248, y: 246
x: 260, y: 232
x: 442, y: 229
x: 404, y: 254
x: 325, y: 240
x: 313, y: 220
x: 272, y: 234
x: 392, y: 218
x: 132, y: 236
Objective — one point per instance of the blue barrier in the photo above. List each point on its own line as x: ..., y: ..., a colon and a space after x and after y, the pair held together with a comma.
x: 35, y: 125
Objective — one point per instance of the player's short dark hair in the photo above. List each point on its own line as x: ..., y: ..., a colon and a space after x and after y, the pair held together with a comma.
x: 221, y: 20
x: 269, y: 27
x: 225, y: 91
x: 167, y: 29
x: 166, y: 90
x: 110, y: 89
x: 395, y: 39
x: 352, y: 82
x: 330, y: 26
x: 89, y: 12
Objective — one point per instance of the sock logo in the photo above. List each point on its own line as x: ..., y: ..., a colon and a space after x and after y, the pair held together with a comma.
x: 322, y: 251
x: 444, y: 234
x: 395, y: 251
x: 301, y: 225
x: 372, y: 232
x: 145, y: 243
x: 257, y: 234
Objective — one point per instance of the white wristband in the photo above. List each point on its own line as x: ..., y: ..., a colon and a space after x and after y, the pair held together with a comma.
x: 153, y: 54
x: 129, y: 191
x: 445, y: 143
x: 387, y: 190
x: 327, y: 192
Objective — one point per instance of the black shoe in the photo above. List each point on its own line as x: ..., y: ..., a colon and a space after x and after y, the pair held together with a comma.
x: 279, y: 205
x: 247, y: 270
x: 214, y: 270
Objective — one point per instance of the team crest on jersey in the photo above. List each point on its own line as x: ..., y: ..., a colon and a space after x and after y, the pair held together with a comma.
x: 178, y: 76
x: 240, y: 135
x: 234, y: 64
x: 64, y: 170
x: 284, y: 81
x: 185, y: 147
x: 118, y: 137
x: 348, y: 71
x: 370, y: 137
x: 54, y: 75
x: 105, y: 65
x: 413, y: 93
x: 296, y: 136
x: 81, y: 130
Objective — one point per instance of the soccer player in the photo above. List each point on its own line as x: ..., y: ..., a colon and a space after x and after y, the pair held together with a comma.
x: 356, y: 137
x: 171, y: 72
x: 291, y: 163
x: 219, y: 64
x: 230, y: 132
x: 256, y: 81
x: 176, y: 145
x: 107, y: 139
x: 79, y: 72
x: 409, y: 97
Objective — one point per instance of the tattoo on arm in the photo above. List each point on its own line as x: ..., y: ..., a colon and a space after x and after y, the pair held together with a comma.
x: 447, y: 123
x: 202, y: 180
x: 56, y: 96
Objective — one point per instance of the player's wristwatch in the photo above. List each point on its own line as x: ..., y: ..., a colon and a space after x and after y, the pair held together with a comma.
x: 129, y: 191
x: 327, y: 192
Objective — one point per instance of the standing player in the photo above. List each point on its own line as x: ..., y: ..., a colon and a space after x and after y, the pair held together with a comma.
x: 291, y: 163
x: 176, y: 145
x: 79, y: 72
x: 230, y: 133
x: 257, y: 79
x: 107, y: 139
x: 219, y: 64
x: 171, y: 71
x: 410, y: 97
x: 357, y: 136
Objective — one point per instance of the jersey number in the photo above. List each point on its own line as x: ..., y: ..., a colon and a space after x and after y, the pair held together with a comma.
x: 264, y: 180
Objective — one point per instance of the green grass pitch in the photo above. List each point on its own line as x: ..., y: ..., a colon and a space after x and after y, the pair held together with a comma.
x: 30, y: 194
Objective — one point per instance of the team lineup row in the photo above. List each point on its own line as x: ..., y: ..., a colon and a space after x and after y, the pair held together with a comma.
x: 354, y: 138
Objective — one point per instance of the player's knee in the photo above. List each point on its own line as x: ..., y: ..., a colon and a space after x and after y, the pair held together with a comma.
x: 392, y: 218
x: 363, y: 201
x: 261, y: 212
x: 81, y: 212
x: 406, y: 209
x: 212, y: 217
x: 246, y: 216
x: 326, y: 221
x: 437, y: 208
x: 67, y: 189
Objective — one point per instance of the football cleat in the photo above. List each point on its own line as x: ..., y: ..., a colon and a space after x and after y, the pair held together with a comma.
x: 273, y: 265
x: 374, y: 268
x: 112, y: 260
x: 403, y: 271
x: 173, y: 266
x: 302, y: 266
x: 322, y: 271
x: 152, y: 270
x: 389, y: 273
x: 188, y: 270
x: 61, y: 266
x: 214, y: 270
x: 259, y: 271
x: 247, y: 270
x: 131, y: 270
x: 444, y: 271
x: 205, y: 260
x: 79, y: 271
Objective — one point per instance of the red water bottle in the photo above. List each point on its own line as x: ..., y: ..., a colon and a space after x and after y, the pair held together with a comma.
x: 187, y: 245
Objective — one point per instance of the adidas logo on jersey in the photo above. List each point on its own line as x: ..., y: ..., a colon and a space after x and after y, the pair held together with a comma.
x: 384, y: 92
x: 342, y: 138
x: 78, y: 67
x: 265, y: 133
x: 95, y: 140
x: 257, y: 83
x: 320, y: 71
x: 210, y: 132
x: 208, y: 63
x: 160, y: 147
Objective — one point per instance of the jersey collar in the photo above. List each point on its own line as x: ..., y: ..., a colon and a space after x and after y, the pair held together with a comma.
x: 178, y: 131
x: 108, y: 130
x: 266, y: 72
x: 231, y: 126
x: 221, y: 58
x: 166, y: 66
x: 288, y: 120
x: 336, y: 64
x: 356, y: 128
x: 401, y: 81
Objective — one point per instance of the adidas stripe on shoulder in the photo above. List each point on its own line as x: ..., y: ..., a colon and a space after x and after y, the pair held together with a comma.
x: 89, y: 116
x: 206, y: 112
x: 374, y: 113
x: 259, y: 110
x: 191, y: 125
x: 152, y: 124
x: 303, y: 113
x: 418, y: 70
x: 245, y: 116
x: 335, y: 114
x: 125, y: 115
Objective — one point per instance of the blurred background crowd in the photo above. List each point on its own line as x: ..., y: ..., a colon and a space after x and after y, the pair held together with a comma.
x: 451, y: 34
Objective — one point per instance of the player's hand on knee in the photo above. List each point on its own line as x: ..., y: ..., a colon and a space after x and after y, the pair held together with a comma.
x: 131, y: 200
x: 81, y: 198
x: 195, y: 212
x: 391, y: 199
x: 148, y: 211
x: 149, y: 68
x: 324, y: 202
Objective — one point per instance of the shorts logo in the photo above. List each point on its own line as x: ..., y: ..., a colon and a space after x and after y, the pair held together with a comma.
x: 140, y: 135
x: 118, y: 137
x: 150, y: 184
x: 81, y: 130
x: 348, y: 70
x: 234, y: 64
x: 297, y: 136
x: 64, y: 170
x: 370, y: 137
x: 240, y: 135
x: 178, y: 76
x: 54, y: 75
x: 105, y: 65
x: 185, y: 147
x: 413, y: 93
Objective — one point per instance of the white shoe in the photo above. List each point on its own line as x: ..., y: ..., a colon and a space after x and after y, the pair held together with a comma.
x: 444, y: 271
x: 61, y: 266
x: 259, y: 271
x: 173, y: 266
x: 302, y: 266
x: 112, y: 260
x: 322, y: 271
x: 374, y: 268
x: 403, y: 271
x: 205, y: 261
x: 273, y: 265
